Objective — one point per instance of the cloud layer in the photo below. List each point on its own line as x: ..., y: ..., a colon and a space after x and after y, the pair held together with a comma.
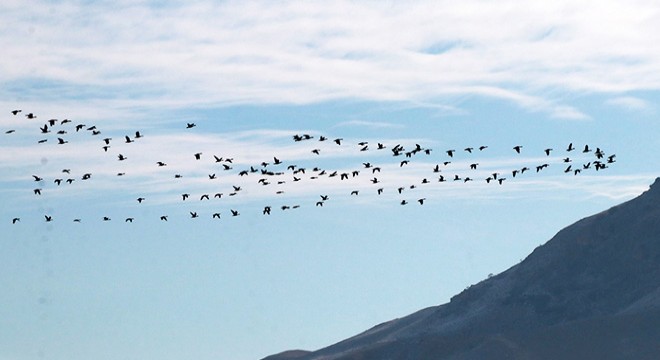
x: 140, y: 54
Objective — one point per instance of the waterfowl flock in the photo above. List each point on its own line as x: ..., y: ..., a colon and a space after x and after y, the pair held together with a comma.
x: 273, y: 171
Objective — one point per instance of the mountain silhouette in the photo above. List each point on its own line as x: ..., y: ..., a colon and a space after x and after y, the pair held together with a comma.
x: 591, y: 292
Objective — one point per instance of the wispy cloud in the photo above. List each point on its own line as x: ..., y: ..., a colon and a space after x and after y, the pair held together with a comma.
x: 629, y: 103
x: 136, y: 55
x: 369, y: 124
x: 364, y: 170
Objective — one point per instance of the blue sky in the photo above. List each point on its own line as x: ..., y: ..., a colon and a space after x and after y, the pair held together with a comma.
x: 251, y: 75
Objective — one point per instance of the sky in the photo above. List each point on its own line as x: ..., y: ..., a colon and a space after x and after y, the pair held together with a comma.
x: 425, y: 75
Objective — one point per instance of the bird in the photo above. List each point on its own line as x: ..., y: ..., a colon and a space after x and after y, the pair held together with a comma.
x: 216, y: 215
x: 48, y: 218
x: 421, y: 201
x: 140, y: 200
x: 205, y: 196
x: 105, y: 218
x: 570, y: 147
x: 10, y: 131
x: 15, y: 112
x: 163, y: 218
x: 160, y: 163
x: 234, y: 212
x: 547, y: 151
x: 586, y: 149
x: 266, y: 210
x: 193, y: 215
x: 316, y: 151
x: 185, y: 196
x: 15, y: 220
x: 128, y: 139
x: 121, y: 157
x: 198, y: 156
x: 37, y: 191
x: 44, y: 129
x: 130, y: 220
x: 138, y: 135
x: 404, y: 202
x: 450, y: 153
x: 37, y: 178
x: 86, y: 176
x: 355, y: 192
x: 57, y: 181
x: 338, y: 141
x: 190, y: 125
x: 474, y: 166
x: 517, y: 148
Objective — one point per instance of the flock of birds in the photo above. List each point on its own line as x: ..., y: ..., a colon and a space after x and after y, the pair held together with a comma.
x: 275, y: 172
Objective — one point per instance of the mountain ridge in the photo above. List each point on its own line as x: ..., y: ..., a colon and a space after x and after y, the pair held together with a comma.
x: 601, y: 269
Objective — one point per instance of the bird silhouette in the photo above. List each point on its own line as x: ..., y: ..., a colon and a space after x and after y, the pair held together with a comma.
x: 190, y: 125
x: 193, y: 215
x: 15, y: 220
x: 216, y: 215
x: 48, y: 218
x: 234, y: 212
x: 517, y: 148
x: 130, y: 219
x: 163, y: 218
x: 198, y: 156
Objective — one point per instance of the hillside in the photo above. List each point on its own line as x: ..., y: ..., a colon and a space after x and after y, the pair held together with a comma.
x: 592, y: 291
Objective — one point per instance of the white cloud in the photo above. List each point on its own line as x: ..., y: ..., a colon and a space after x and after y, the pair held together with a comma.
x: 629, y: 103
x: 206, y: 53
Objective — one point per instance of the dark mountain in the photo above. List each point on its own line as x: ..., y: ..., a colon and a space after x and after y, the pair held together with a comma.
x: 591, y: 292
